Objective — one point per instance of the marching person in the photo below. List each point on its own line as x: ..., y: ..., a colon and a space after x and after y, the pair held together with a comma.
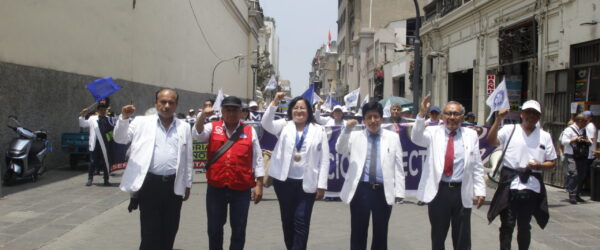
x: 233, y: 168
x: 434, y: 116
x: 577, y: 165
x: 521, y: 192
x: 452, y: 174
x: 299, y: 166
x: 159, y: 170
x: 336, y: 119
x: 101, y: 128
x: 375, y: 177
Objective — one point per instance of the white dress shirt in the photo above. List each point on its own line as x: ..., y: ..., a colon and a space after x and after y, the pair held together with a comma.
x: 257, y: 159
x: 523, y: 148
x: 164, y: 158
x: 569, y: 134
x: 459, y: 159
x: 590, y: 131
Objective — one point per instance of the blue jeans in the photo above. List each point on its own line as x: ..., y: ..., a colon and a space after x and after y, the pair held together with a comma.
x: 217, y: 200
x: 295, y: 207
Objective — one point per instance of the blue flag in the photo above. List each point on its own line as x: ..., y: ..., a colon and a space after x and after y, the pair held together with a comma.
x: 102, y: 88
x: 308, y: 94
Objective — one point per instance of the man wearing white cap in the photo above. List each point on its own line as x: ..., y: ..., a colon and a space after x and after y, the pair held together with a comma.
x: 253, y: 106
x: 336, y: 119
x: 521, y: 193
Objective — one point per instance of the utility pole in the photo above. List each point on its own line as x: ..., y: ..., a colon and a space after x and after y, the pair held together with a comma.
x: 416, y: 81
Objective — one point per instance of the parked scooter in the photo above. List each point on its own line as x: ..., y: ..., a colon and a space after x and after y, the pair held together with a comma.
x: 25, y: 154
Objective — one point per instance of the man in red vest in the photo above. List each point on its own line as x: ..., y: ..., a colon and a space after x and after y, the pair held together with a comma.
x: 233, y: 173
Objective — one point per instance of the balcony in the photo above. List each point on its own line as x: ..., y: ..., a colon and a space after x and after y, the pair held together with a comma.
x: 440, y: 8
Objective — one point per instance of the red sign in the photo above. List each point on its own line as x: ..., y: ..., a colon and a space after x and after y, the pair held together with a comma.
x: 491, y: 84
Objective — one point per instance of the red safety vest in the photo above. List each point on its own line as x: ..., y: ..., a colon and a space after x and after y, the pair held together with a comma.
x: 234, y: 168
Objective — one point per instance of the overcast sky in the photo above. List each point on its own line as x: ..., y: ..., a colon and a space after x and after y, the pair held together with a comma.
x: 302, y: 27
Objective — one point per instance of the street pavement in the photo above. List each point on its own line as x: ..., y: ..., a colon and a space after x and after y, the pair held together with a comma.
x: 59, y: 212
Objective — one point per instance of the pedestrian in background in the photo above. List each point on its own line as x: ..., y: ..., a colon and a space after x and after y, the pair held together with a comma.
x: 299, y: 166
x: 375, y: 177
x: 231, y: 172
x: 574, y: 138
x: 452, y: 174
x: 159, y: 170
x: 521, y: 194
x: 101, y: 129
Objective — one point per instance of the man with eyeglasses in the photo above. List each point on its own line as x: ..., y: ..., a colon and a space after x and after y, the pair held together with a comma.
x: 452, y: 174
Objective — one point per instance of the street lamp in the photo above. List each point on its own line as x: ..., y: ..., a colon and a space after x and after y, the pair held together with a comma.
x: 417, y: 65
x: 254, y: 70
x: 212, y: 80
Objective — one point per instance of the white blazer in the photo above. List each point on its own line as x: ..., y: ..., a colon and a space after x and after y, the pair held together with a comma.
x: 95, y: 135
x: 433, y: 137
x: 141, y: 132
x: 354, y: 145
x: 315, y: 175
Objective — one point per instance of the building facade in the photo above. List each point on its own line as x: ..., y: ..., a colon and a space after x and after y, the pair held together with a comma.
x: 49, y: 50
x: 363, y: 48
x: 548, y: 50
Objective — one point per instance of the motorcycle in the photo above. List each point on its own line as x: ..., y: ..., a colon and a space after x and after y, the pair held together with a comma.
x: 25, y: 154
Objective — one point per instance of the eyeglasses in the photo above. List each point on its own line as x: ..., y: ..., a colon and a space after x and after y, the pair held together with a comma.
x: 299, y: 108
x: 455, y: 114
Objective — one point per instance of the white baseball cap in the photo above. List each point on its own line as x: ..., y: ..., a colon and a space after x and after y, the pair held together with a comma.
x: 253, y: 104
x: 336, y: 107
x: 191, y: 110
x: 406, y: 109
x: 532, y: 104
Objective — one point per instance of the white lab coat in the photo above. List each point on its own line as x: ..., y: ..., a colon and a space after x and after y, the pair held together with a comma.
x: 141, y: 132
x: 95, y: 135
x: 315, y: 175
x: 354, y: 145
x: 433, y: 137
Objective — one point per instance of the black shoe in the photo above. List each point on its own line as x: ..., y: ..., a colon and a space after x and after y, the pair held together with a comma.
x: 106, y: 183
x: 89, y: 183
x: 579, y: 199
x: 572, y: 199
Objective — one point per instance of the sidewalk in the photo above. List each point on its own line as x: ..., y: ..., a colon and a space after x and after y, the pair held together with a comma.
x: 67, y: 215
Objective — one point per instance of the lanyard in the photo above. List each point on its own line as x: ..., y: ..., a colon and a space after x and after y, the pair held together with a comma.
x: 300, y: 141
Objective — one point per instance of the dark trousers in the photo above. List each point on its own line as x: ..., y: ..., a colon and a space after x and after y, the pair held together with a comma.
x: 445, y: 209
x: 217, y: 200
x: 295, y: 207
x: 577, y: 173
x: 518, y: 213
x: 97, y: 162
x: 160, y: 208
x: 369, y: 201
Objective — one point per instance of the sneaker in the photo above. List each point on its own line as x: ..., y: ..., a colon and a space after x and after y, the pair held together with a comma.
x: 579, y: 199
x: 89, y: 183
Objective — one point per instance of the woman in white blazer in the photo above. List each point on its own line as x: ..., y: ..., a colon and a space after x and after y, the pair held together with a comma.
x: 299, y: 166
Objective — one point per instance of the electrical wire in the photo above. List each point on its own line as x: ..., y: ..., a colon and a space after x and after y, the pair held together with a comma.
x: 202, y: 32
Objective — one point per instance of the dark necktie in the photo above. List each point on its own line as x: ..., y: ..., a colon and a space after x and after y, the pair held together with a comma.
x: 373, y: 162
x: 449, y: 159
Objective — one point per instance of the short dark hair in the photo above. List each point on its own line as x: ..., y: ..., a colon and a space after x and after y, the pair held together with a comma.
x: 163, y: 89
x: 212, y: 101
x: 372, y: 106
x: 309, y: 109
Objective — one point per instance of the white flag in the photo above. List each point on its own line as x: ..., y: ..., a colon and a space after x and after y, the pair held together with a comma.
x: 351, y: 99
x: 328, y: 105
x: 387, y: 110
x: 498, y: 99
x: 316, y: 98
x: 272, y: 84
x: 218, y: 100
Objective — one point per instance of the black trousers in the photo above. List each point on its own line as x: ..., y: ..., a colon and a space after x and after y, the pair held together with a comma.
x: 97, y: 162
x: 519, y: 213
x: 367, y: 202
x: 295, y: 207
x: 217, y: 201
x: 160, y: 209
x: 446, y: 209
